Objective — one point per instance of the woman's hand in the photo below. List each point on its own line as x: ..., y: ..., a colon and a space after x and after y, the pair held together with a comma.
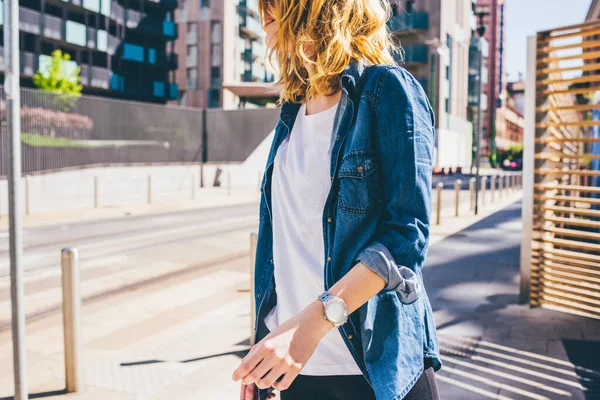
x: 284, y: 352
x: 249, y: 392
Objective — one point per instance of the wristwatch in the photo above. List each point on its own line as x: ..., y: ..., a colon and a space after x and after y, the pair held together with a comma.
x: 336, y: 310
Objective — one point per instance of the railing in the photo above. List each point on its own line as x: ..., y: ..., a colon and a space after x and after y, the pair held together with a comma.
x: 29, y: 21
x: 64, y: 132
x: 85, y: 74
x: 117, y: 12
x: 53, y: 27
x: 134, y: 18
x: 416, y: 53
x: 112, y: 45
x: 91, y: 38
x: 27, y: 62
x: 100, y: 77
x: 560, y: 252
x: 412, y: 21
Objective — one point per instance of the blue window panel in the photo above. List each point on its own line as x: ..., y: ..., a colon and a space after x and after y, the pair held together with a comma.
x: 173, y: 91
x: 159, y: 89
x: 1, y: 13
x: 117, y: 82
x: 105, y: 7
x: 133, y: 52
x: 102, y: 40
x: 152, y: 56
x: 169, y: 28
x: 92, y: 5
x: 76, y: 33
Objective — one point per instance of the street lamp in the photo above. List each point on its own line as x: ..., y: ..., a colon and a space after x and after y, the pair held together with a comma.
x: 480, y: 32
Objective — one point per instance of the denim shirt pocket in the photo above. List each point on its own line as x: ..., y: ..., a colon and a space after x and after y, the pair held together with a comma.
x: 358, y: 182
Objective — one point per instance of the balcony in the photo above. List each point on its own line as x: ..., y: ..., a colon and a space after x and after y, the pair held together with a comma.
x: 409, y: 22
x: 172, y: 62
x: 91, y: 38
x: 100, y: 77
x: 173, y: 91
x: 27, y: 61
x: 416, y: 54
x: 29, y: 21
x: 158, y: 89
x: 85, y: 74
x: 133, y: 52
x: 249, y: 25
x: 117, y: 13
x: 117, y: 82
x: 169, y: 29
x: 134, y: 18
x: 53, y: 27
x: 113, y: 43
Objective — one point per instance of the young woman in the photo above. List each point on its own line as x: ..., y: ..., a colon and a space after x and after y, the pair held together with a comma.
x: 344, y: 217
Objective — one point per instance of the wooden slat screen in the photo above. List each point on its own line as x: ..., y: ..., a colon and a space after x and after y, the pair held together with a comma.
x: 565, y: 248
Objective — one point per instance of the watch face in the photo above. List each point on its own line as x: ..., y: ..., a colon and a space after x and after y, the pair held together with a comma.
x: 336, y: 311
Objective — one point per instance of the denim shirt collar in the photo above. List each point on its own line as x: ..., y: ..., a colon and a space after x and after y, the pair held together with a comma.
x: 350, y: 78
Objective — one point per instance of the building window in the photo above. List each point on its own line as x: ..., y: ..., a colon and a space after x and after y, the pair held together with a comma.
x: 192, y: 55
x: 216, y: 37
x: 192, y: 78
x: 410, y: 5
x: 204, y: 3
x: 214, y: 98
x: 192, y: 28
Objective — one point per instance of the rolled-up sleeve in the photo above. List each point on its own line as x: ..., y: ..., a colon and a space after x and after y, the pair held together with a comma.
x: 404, y: 136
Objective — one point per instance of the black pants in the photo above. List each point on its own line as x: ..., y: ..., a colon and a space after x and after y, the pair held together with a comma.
x: 353, y: 387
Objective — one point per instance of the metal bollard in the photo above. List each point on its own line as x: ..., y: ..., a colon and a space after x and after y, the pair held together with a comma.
x: 228, y: 182
x: 149, y: 189
x: 27, y: 195
x: 510, y: 182
x: 493, y: 187
x: 440, y: 186
x: 500, y: 185
x: 193, y: 183
x: 71, y: 319
x: 483, y: 189
x: 472, y: 183
x: 457, y: 186
x: 95, y: 192
x: 253, y: 242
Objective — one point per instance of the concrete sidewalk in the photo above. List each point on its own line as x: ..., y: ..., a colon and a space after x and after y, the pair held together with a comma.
x: 491, y: 346
x: 181, y: 339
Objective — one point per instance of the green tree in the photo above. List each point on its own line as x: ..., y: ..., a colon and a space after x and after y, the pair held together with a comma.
x: 56, y: 77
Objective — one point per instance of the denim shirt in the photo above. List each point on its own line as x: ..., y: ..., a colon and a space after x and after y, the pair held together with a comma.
x: 377, y: 213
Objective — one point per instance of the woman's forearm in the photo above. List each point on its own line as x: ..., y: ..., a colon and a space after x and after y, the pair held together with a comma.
x: 355, y: 288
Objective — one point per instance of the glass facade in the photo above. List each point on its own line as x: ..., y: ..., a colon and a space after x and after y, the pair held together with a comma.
x: 76, y: 33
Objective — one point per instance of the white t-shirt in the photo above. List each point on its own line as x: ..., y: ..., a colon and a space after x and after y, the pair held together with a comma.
x: 300, y: 186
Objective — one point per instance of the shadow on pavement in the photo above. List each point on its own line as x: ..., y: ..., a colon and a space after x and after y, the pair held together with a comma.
x: 40, y: 395
x: 491, y: 346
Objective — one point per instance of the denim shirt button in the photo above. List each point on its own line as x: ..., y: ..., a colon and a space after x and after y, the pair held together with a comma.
x: 337, y: 137
x: 350, y: 336
x: 271, y: 261
x: 329, y: 219
x: 258, y: 295
x: 329, y: 259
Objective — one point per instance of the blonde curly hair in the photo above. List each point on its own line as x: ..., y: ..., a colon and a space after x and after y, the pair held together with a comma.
x: 326, y: 35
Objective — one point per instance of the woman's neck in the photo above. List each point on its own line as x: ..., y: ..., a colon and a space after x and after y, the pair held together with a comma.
x: 320, y: 103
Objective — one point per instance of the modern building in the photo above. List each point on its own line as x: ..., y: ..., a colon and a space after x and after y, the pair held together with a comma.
x: 435, y: 36
x: 495, y: 90
x: 124, y: 47
x: 222, y: 52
